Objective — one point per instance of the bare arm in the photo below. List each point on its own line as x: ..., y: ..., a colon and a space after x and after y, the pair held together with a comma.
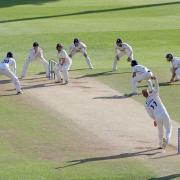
x: 173, y: 75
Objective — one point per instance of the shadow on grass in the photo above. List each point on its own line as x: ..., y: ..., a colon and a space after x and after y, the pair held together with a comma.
x: 149, y: 152
x: 169, y: 177
x: 9, y: 3
x: 161, y: 84
x: 5, y: 3
x: 106, y: 73
x: 112, y: 97
x: 5, y: 81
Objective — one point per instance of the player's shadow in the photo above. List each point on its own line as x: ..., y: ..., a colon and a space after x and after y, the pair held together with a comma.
x: 9, y: 3
x: 113, y: 97
x: 105, y: 73
x: 42, y: 85
x: 149, y: 152
x: 161, y: 84
x: 80, y: 69
x: 5, y: 81
x: 6, y: 3
x: 169, y: 177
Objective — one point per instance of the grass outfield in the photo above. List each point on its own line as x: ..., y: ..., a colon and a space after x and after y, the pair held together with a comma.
x: 150, y: 26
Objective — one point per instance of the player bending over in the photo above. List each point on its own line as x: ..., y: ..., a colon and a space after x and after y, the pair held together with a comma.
x: 158, y: 113
x: 63, y: 65
x: 35, y: 53
x: 78, y: 46
x: 5, y: 65
x: 140, y: 73
x: 122, y: 49
x: 175, y: 69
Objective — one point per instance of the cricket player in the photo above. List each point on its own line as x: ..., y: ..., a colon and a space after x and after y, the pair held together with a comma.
x: 35, y: 53
x: 140, y: 73
x: 78, y: 46
x: 122, y: 49
x: 175, y: 69
x: 5, y: 65
x: 158, y: 113
x: 63, y: 65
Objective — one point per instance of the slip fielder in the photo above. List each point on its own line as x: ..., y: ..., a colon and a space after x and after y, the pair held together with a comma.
x: 5, y: 65
x: 122, y: 49
x: 175, y: 67
x: 35, y: 53
x: 78, y: 46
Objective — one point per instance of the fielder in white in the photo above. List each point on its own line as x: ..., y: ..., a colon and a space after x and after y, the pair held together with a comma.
x: 35, y: 53
x: 5, y: 65
x: 122, y: 49
x: 175, y: 67
x: 63, y: 65
x: 140, y: 73
x: 158, y: 113
x: 78, y: 46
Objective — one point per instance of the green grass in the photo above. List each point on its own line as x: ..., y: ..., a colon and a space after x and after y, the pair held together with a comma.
x: 28, y: 133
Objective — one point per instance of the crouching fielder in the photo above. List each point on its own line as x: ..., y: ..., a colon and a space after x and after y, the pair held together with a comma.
x: 175, y: 69
x: 158, y: 113
x: 122, y: 49
x: 35, y: 53
x: 63, y: 65
x: 140, y: 73
x: 78, y: 46
x: 5, y: 69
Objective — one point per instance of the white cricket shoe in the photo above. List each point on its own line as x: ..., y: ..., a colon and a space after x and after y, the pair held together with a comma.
x: 19, y: 92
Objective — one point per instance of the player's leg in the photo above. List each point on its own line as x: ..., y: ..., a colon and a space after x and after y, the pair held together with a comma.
x: 65, y: 73
x: 14, y: 79
x: 160, y: 131
x: 116, y: 59
x: 25, y: 67
x: 168, y: 127
x: 134, y: 82
x: 57, y: 70
x: 177, y: 74
x: 46, y: 65
x: 88, y: 61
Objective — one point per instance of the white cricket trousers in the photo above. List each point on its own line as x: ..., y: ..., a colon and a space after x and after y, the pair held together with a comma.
x: 139, y: 77
x: 164, y: 123
x: 84, y: 53
x: 7, y: 72
x: 27, y: 62
x: 118, y: 56
x: 64, y: 69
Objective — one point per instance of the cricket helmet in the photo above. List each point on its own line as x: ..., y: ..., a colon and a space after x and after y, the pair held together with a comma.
x: 169, y: 56
x: 134, y: 63
x: 35, y: 44
x: 59, y: 45
x: 10, y: 54
x: 119, y: 40
x: 76, y: 40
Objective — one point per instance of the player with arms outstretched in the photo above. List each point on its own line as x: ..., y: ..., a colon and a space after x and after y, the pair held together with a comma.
x: 158, y: 113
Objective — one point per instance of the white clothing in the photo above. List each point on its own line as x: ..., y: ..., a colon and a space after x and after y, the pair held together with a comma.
x: 63, y: 56
x: 5, y: 69
x: 82, y: 48
x: 142, y: 73
x: 158, y: 112
x: 176, y: 65
x: 35, y: 55
x: 125, y: 49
